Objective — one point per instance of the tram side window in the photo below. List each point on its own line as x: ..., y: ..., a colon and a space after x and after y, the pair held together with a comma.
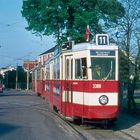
x: 81, y: 68
x: 48, y: 71
x: 38, y: 75
x: 52, y: 70
x: 56, y: 68
x: 69, y: 68
x: 42, y: 74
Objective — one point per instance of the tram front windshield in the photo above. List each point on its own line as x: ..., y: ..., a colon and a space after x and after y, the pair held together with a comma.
x: 103, y: 68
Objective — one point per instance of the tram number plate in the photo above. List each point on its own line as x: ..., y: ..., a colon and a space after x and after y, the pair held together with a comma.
x: 96, y: 85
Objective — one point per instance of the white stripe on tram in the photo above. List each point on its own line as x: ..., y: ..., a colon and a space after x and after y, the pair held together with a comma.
x: 90, y: 99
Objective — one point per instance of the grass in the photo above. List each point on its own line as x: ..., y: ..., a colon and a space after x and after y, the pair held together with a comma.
x: 137, y: 101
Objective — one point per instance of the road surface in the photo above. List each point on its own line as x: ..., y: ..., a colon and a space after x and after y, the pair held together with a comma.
x: 24, y: 116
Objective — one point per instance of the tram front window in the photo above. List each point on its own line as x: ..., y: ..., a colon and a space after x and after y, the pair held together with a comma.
x: 103, y: 68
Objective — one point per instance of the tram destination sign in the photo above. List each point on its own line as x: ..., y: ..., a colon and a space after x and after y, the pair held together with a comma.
x: 102, y: 53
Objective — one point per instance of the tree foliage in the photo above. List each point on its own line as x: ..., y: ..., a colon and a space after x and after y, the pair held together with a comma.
x: 10, y: 78
x: 69, y: 18
x: 129, y: 29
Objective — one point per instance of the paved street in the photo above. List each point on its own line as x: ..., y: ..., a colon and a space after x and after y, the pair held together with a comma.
x: 25, y: 116
x: 22, y: 118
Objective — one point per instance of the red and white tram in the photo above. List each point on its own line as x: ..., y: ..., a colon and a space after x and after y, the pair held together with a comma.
x: 81, y: 80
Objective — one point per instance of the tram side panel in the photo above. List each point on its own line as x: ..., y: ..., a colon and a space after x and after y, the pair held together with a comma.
x: 47, y: 89
x: 44, y: 92
x: 56, y: 94
x: 80, y: 99
x: 86, y: 100
x: 33, y: 85
x: 39, y: 89
x: 67, y: 98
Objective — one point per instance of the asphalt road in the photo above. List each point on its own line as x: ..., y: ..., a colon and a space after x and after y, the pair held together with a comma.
x: 24, y: 116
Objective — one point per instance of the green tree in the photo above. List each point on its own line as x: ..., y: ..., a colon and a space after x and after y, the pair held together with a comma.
x: 129, y: 35
x: 69, y: 18
x: 1, y: 79
x: 10, y: 78
x: 21, y: 75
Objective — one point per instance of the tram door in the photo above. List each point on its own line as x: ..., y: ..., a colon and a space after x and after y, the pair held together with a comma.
x: 68, y: 85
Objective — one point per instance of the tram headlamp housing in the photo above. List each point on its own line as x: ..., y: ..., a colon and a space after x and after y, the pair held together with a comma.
x: 103, y: 100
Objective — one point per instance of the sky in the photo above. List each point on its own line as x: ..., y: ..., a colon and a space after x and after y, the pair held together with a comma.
x: 18, y: 44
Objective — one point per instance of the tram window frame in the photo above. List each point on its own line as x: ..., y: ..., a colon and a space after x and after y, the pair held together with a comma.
x: 42, y: 74
x: 81, y: 68
x: 107, y: 68
x: 67, y: 69
x: 56, y: 68
x: 71, y: 68
x: 48, y: 72
x: 38, y: 74
x: 52, y: 70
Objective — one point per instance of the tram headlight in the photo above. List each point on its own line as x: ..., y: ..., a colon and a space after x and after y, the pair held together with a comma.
x: 103, y: 100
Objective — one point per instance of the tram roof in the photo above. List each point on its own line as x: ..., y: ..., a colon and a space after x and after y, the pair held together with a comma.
x: 88, y: 46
